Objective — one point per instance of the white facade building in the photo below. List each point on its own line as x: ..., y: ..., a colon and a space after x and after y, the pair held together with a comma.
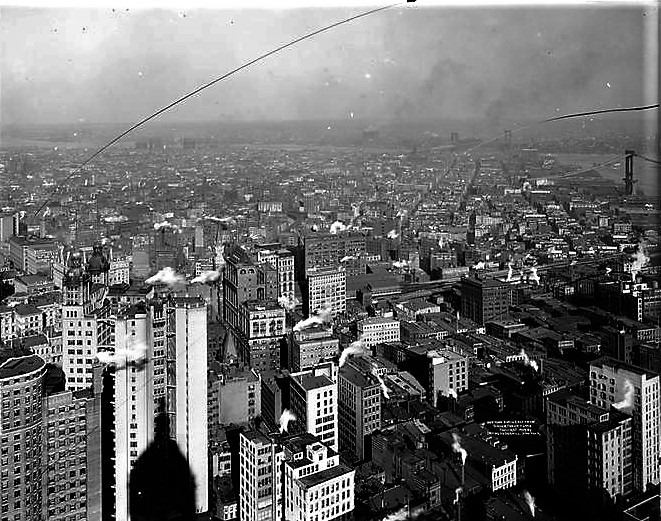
x: 327, y: 288
x: 610, y: 381
x: 378, y: 330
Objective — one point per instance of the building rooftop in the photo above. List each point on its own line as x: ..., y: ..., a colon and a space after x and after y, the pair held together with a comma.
x: 323, y: 476
x: 310, y: 382
x: 11, y: 367
x: 26, y: 310
x: 617, y: 365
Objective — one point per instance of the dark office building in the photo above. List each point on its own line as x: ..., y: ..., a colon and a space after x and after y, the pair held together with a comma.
x: 485, y: 299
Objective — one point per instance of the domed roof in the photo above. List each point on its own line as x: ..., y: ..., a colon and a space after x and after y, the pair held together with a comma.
x: 97, y: 263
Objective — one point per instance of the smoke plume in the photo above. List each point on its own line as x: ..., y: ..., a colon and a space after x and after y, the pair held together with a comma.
x: 384, y: 388
x: 530, y: 501
x: 392, y: 234
x: 480, y: 265
x: 640, y: 260
x: 533, y: 275
x: 134, y: 355
x: 401, y: 264
x: 286, y: 417
x: 528, y: 361
x: 627, y: 401
x: 456, y: 494
x: 337, y: 227
x: 356, y: 348
x: 324, y: 316
x: 206, y: 277
x: 509, y: 272
x: 288, y: 303
x: 456, y: 446
x: 166, y: 276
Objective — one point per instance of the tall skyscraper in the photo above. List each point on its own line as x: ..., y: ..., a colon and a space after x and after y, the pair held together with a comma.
x: 588, y: 448
x: 313, y: 399
x: 22, y: 478
x: 359, y: 409
x: 86, y: 324
x: 133, y: 401
x: 327, y: 250
x: 260, y: 478
x: 73, y: 461
x: 187, y: 388
x: 634, y: 391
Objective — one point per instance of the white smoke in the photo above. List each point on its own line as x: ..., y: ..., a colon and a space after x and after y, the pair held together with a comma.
x: 528, y: 361
x: 166, y: 225
x: 125, y: 187
x: 401, y: 264
x: 627, y: 401
x: 452, y: 393
x: 456, y: 495
x: 286, y: 417
x: 224, y: 220
x: 206, y: 276
x: 356, y: 348
x: 166, y: 276
x: 288, y: 303
x: 456, y: 446
x: 324, y: 316
x: 608, y: 271
x: 347, y: 258
x: 392, y: 234
x: 441, y: 243
x: 480, y: 265
x: 640, y: 260
x: 135, y: 354
x: 403, y: 514
x: 510, y: 271
x: 384, y: 388
x: 337, y: 227
x: 314, y: 228
x: 530, y: 501
x: 533, y: 275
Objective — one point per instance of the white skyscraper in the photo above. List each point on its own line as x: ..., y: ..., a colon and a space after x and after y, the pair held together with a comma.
x: 133, y: 400
x: 635, y: 391
x: 327, y: 288
x: 187, y: 327
x: 314, y: 402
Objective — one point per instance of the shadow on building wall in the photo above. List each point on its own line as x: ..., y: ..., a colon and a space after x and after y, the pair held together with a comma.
x: 162, y: 487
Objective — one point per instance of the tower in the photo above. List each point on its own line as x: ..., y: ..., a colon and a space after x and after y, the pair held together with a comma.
x: 628, y: 172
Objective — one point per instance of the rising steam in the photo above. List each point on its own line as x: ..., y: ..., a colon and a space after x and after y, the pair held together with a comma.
x: 206, y: 277
x: 286, y: 417
x: 356, y: 348
x: 456, y: 446
x: 640, y: 260
x: 288, y: 303
x: 337, y: 227
x: 530, y: 501
x: 324, y: 316
x: 528, y: 361
x: 166, y: 276
x: 384, y: 388
x: 627, y: 401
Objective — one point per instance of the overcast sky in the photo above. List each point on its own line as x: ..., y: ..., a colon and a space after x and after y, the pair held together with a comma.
x: 116, y: 66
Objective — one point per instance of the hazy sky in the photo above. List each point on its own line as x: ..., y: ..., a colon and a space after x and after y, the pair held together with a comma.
x: 69, y: 65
